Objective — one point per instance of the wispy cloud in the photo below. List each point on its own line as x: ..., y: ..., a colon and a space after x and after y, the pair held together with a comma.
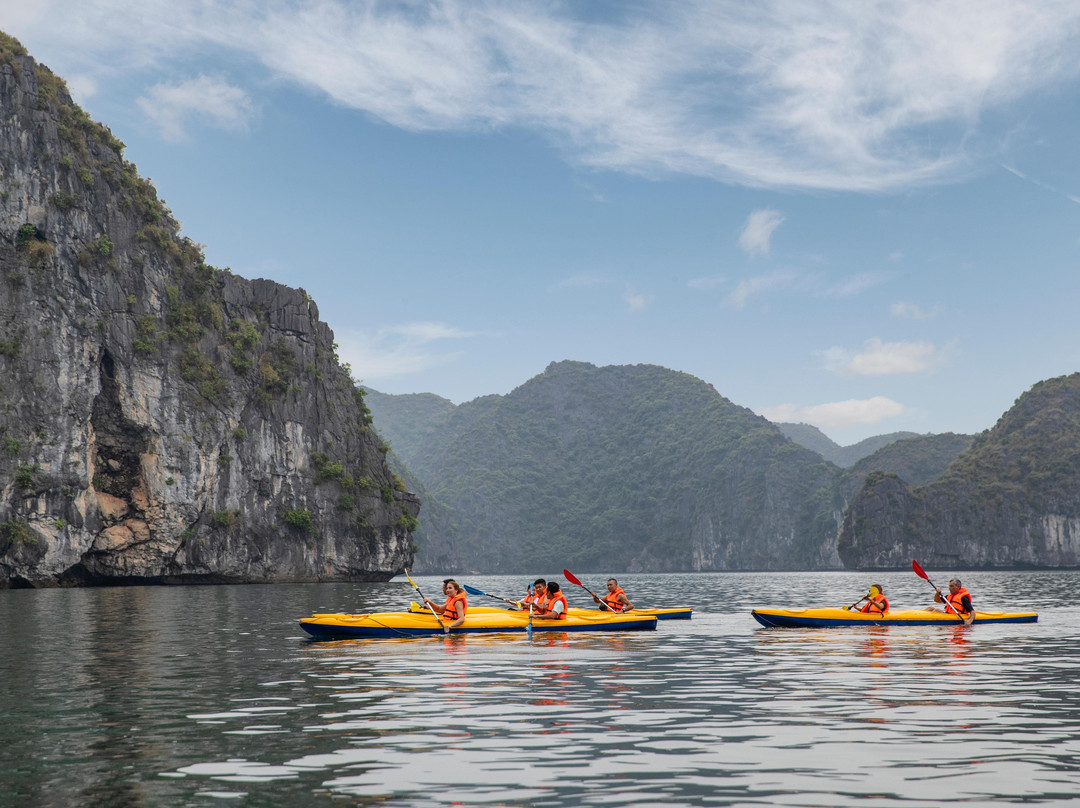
x: 834, y: 95
x: 836, y: 415
x: 636, y: 300
x: 856, y: 284
x: 1044, y: 185
x: 204, y: 99
x: 878, y: 358
x: 757, y: 233
x: 398, y: 351
x: 912, y: 311
x: 761, y: 284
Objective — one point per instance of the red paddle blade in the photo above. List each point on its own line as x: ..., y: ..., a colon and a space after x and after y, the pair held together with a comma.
x: 919, y: 570
x: 571, y: 578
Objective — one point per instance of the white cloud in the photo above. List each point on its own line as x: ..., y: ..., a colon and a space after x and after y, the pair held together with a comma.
x: 757, y: 232
x: 854, y: 284
x: 636, y: 300
x: 205, y: 99
x: 834, y: 95
x: 760, y: 284
x: 878, y: 358
x: 397, y: 351
x: 912, y: 311
x: 836, y: 415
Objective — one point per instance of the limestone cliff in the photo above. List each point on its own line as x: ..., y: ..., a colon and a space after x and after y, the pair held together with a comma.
x: 1011, y: 500
x: 162, y: 420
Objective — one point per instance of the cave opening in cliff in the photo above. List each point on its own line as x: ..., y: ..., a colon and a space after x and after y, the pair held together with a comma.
x: 118, y: 442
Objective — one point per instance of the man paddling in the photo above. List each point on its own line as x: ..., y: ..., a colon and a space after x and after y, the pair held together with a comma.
x: 555, y: 607
x: 615, y: 600
x: 537, y: 597
x: 957, y: 602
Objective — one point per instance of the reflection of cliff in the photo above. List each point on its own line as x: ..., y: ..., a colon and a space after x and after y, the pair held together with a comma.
x: 1012, y: 499
x: 160, y: 419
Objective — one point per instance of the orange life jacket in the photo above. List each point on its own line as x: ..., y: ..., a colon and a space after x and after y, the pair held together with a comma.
x: 612, y: 600
x: 957, y: 601
x: 558, y: 597
x: 538, y: 602
x: 878, y: 604
x: 452, y: 609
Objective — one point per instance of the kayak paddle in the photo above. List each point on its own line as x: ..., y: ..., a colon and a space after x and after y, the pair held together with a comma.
x: 853, y: 605
x: 528, y: 630
x: 922, y: 574
x: 472, y: 590
x: 424, y: 600
x: 573, y: 579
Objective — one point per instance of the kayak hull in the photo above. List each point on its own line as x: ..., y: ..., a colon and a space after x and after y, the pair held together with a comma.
x: 412, y: 624
x: 823, y: 618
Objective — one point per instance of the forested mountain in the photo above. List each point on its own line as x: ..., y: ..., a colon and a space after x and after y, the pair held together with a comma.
x: 918, y: 460
x: 614, y: 468
x: 844, y: 456
x: 1012, y: 499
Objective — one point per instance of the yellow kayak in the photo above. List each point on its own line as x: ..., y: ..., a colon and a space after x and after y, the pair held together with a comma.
x: 423, y: 624
x: 785, y: 618
x: 678, y: 613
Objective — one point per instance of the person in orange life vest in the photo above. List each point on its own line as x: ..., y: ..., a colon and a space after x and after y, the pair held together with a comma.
x: 556, y: 606
x: 456, y: 604
x: 615, y: 600
x: 876, y: 602
x: 959, y: 599
x: 538, y: 596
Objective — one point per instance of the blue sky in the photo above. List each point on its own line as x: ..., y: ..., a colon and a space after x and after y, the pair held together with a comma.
x: 864, y: 216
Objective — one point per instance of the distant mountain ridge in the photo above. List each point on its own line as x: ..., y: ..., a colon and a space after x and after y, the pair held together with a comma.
x: 844, y: 456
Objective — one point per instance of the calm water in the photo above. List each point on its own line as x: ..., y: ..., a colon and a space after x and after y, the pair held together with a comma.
x: 213, y: 696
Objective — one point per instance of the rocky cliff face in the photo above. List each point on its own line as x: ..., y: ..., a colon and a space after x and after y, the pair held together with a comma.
x: 1011, y: 500
x: 162, y: 420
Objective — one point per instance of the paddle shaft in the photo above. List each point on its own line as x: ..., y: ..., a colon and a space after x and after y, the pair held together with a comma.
x: 425, y: 600
x: 574, y: 580
x: 472, y: 590
x: 922, y: 574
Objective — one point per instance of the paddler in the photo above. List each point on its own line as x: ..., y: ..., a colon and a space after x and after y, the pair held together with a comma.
x: 555, y: 608
x: 959, y: 599
x: 456, y: 604
x: 615, y: 600
x: 537, y: 596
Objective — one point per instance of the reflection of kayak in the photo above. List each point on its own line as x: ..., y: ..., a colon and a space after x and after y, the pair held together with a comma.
x: 680, y: 613
x: 421, y: 624
x: 780, y: 618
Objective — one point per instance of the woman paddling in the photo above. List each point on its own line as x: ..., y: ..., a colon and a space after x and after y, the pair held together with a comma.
x: 456, y: 604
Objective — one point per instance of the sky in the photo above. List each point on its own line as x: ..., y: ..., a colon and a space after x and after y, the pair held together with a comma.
x: 861, y: 216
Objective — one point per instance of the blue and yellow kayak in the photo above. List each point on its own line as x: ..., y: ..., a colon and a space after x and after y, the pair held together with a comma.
x: 678, y: 613
x: 424, y: 624
x: 787, y: 618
